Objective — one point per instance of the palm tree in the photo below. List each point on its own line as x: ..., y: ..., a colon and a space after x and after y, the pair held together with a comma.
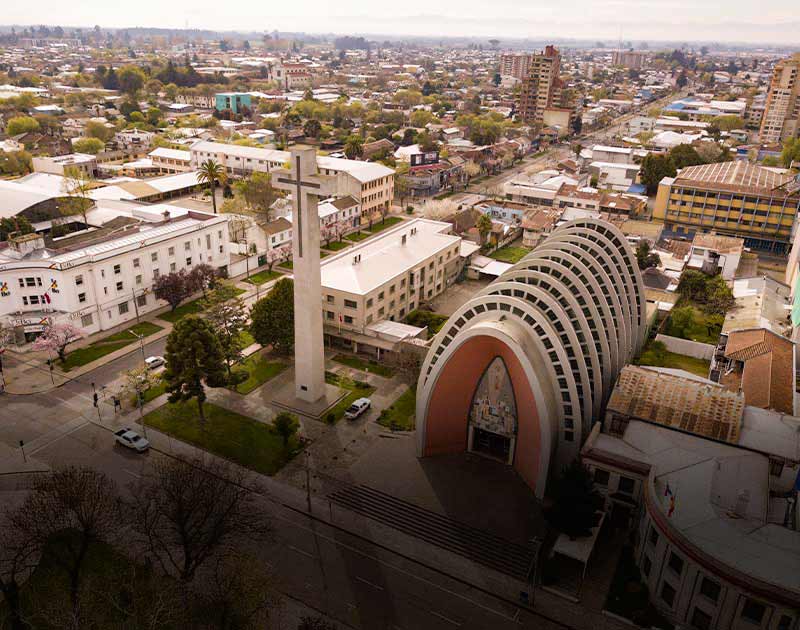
x: 354, y: 147
x: 211, y: 172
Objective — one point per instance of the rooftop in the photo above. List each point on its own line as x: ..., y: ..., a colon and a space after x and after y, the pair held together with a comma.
x: 737, y: 176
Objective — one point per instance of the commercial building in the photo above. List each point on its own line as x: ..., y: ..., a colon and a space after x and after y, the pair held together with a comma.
x: 781, y: 118
x: 521, y: 371
x: 233, y: 101
x: 707, y: 484
x: 740, y: 199
x: 369, y: 183
x: 103, y: 277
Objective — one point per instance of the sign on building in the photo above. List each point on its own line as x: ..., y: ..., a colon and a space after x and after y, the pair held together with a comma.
x: 422, y: 159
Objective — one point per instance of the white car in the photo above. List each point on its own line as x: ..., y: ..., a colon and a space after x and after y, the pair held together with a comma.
x: 357, y: 408
x: 130, y: 439
x: 154, y: 362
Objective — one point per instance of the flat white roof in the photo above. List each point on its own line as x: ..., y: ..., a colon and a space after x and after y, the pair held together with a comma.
x: 172, y: 154
x: 385, y: 257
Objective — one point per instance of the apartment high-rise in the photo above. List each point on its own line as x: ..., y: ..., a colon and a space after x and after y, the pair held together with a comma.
x: 515, y: 65
x: 781, y: 118
x: 541, y: 87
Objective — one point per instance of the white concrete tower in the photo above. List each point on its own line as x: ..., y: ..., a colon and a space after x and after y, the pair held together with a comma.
x: 306, y: 186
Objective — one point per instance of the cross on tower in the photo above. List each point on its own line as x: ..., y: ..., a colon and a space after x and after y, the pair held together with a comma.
x: 298, y: 184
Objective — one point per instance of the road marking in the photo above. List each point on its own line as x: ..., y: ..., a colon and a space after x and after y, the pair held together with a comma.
x: 447, y: 619
x: 305, y: 553
x: 372, y: 584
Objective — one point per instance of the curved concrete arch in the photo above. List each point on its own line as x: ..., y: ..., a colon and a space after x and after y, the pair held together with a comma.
x: 560, y: 291
x: 615, y: 290
x: 539, y: 298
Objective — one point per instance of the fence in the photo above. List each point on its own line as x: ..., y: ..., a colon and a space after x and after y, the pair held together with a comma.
x: 687, y: 347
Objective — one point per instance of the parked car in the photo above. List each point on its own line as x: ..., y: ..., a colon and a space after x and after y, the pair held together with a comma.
x: 154, y: 362
x: 130, y: 439
x: 357, y: 408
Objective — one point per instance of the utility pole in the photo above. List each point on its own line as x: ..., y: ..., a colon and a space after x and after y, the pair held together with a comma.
x: 135, y: 305
x: 141, y: 345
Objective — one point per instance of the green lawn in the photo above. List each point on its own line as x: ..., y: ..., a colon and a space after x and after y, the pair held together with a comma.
x: 263, y: 276
x: 668, y: 359
x: 226, y: 433
x: 259, y: 370
x: 399, y: 416
x: 705, y: 328
x: 358, y: 389
x: 355, y: 237
x: 187, y: 308
x: 155, y: 391
x: 246, y: 338
x: 379, y: 226
x: 289, y: 264
x: 365, y: 365
x: 336, y: 246
x: 107, y: 345
x: 510, y: 254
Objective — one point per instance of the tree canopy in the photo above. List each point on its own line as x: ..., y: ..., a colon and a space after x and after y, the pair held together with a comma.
x: 272, y: 318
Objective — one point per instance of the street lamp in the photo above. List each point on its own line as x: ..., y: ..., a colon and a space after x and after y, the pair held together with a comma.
x: 141, y: 345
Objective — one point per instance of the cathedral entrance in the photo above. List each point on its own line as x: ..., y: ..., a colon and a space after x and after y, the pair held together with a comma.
x: 492, y: 428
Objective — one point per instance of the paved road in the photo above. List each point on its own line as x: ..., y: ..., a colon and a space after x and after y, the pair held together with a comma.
x: 353, y: 580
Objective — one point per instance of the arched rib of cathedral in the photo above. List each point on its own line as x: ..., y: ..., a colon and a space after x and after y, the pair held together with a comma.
x: 523, y: 369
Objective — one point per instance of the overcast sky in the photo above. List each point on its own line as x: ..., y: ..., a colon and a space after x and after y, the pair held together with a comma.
x: 769, y: 21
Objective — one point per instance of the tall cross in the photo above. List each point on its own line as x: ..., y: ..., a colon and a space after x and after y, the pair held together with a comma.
x: 298, y: 183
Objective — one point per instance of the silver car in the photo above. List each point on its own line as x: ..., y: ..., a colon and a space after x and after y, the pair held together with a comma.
x: 130, y: 439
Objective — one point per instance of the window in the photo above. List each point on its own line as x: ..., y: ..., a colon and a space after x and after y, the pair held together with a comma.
x: 102, y: 273
x: 330, y: 299
x: 156, y: 274
x: 87, y: 320
x: 25, y: 300
x: 348, y: 319
x: 701, y: 620
x: 189, y: 261
x: 601, y: 477
x: 154, y: 256
x: 208, y: 241
x: 119, y: 286
x: 775, y: 467
x: 34, y: 299
x: 668, y: 594
x: 675, y: 563
x: 329, y: 314
x: 369, y: 303
x: 391, y: 290
x: 30, y: 282
x: 139, y: 279
x: 123, y: 308
x: 78, y: 281
x: 172, y: 266
x: 626, y: 485
x: 380, y: 295
x: 753, y: 611
x: 81, y: 297
x: 22, y: 283
x: 171, y: 251
x: 187, y: 245
x: 350, y: 304
x: 710, y: 589
x: 136, y: 262
x: 141, y: 300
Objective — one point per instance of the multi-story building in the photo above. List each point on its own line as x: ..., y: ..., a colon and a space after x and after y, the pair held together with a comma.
x: 291, y: 76
x: 369, y: 183
x: 781, y: 118
x: 629, y: 59
x: 171, y: 161
x: 233, y: 101
x: 541, y: 87
x: 516, y: 65
x: 385, y: 278
x: 100, y: 279
x: 732, y: 199
x: 204, y: 101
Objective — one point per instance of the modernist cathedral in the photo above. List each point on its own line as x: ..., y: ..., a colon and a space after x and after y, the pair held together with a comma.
x: 522, y: 370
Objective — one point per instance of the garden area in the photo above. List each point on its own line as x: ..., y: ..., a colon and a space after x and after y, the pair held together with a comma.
x: 426, y: 319
x: 357, y: 389
x: 510, y: 254
x: 690, y: 322
x: 385, y: 224
x: 335, y: 246
x: 238, y: 438
x: 365, y: 365
x: 107, y: 345
x: 263, y: 276
x: 657, y: 355
x: 399, y: 416
x: 259, y: 370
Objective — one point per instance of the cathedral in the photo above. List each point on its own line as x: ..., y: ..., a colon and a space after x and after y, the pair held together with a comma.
x: 522, y: 370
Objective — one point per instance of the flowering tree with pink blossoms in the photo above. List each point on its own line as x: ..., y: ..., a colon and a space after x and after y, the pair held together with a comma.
x: 56, y: 338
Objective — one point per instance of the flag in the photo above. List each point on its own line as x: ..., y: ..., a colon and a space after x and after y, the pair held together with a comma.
x: 671, y: 505
x: 46, y: 298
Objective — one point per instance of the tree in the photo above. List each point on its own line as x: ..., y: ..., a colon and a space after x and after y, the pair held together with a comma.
x: 95, y: 129
x: 193, y: 355
x: 212, y: 173
x: 56, y: 338
x: 683, y: 155
x: 692, y: 285
x: 682, y: 80
x: 471, y: 169
x: 19, y: 555
x: 173, y: 288
x: 312, y: 128
x: 258, y: 194
x: 728, y: 122
x: 226, y: 313
x: 92, y: 146
x: 77, y: 185
x: 577, y: 147
x: 74, y: 507
x: 21, y: 124
x: 277, y: 254
x: 654, y: 168
x: 286, y: 426
x: 131, y: 79
x: 681, y: 320
x: 272, y: 318
x: 484, y: 227
x: 646, y: 258
x: 189, y: 513
x: 791, y: 152
x: 17, y: 224
x: 575, y: 502
x: 201, y: 278
x: 354, y: 147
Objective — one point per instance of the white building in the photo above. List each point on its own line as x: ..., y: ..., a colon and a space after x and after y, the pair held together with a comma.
x: 82, y: 162
x: 100, y: 278
x: 170, y: 161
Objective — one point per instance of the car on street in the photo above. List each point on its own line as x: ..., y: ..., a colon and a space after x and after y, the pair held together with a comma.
x: 154, y: 362
x: 357, y: 408
x: 130, y: 439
